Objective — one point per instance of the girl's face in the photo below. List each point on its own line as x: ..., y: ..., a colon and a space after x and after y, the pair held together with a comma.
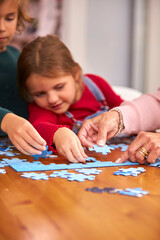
x: 53, y: 94
x: 8, y: 22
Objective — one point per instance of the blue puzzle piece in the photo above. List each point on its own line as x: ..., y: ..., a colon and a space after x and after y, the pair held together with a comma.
x: 95, y: 190
x: 42, y: 155
x: 156, y: 164
x: 3, y: 164
x: 91, y: 159
x: 35, y: 176
x: 8, y: 154
x: 104, y: 150
x: 2, y: 144
x: 62, y: 174
x: 129, y: 171
x: 133, y: 194
x: 3, y: 149
x: 88, y: 171
x: 27, y: 175
x: 80, y: 177
x: 71, y: 176
x: 2, y: 171
x: 137, y: 190
x: 121, y: 145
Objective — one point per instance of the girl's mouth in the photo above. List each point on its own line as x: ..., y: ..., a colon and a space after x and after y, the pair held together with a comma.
x: 56, y: 107
x: 3, y: 39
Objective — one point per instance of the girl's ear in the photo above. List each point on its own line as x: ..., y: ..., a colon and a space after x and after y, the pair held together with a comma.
x: 77, y: 74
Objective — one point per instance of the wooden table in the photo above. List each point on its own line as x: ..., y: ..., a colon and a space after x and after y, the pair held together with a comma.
x: 58, y: 209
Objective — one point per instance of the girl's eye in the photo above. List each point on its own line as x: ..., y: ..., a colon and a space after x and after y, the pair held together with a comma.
x: 59, y: 87
x: 10, y: 17
x: 39, y: 94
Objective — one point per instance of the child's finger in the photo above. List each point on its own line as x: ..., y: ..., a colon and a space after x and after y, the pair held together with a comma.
x: 70, y: 156
x: 84, y: 155
x: 23, y: 146
x: 77, y: 153
x: 21, y: 149
x: 36, y: 137
x: 31, y: 141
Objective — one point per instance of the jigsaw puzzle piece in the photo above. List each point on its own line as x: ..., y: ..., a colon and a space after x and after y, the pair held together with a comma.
x: 2, y: 171
x: 104, y: 150
x: 88, y: 171
x: 44, y: 154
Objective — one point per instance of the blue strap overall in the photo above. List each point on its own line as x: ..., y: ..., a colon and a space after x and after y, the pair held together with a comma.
x: 100, y: 98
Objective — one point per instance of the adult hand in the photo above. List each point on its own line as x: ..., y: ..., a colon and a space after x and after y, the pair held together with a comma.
x: 99, y: 129
x: 68, y: 145
x: 22, y: 134
x: 144, y: 142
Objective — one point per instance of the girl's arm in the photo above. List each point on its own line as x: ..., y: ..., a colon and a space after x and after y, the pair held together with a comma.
x: 45, y: 122
x: 59, y: 137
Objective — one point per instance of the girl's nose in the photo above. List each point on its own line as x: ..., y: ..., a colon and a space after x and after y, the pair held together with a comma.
x: 52, y: 98
x: 2, y: 26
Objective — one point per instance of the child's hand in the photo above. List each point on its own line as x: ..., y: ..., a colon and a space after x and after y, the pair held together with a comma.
x: 22, y: 134
x: 68, y: 145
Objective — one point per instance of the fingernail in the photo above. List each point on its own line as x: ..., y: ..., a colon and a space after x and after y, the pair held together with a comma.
x: 101, y: 143
x: 91, y: 147
x: 118, y: 160
x: 38, y: 153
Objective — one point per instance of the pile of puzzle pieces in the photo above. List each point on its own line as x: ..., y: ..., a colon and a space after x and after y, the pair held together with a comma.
x: 134, y: 192
x: 84, y: 175
x: 130, y: 171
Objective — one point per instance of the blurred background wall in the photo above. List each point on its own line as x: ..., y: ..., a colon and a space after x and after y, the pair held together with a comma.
x: 117, y: 39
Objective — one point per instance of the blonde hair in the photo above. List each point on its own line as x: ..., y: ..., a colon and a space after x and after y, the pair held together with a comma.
x: 46, y: 56
x: 22, y: 14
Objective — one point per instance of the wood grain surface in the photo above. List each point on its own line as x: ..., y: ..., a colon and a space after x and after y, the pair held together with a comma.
x: 57, y: 209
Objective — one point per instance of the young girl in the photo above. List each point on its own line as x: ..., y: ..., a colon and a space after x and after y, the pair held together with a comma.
x: 19, y: 130
x: 61, y: 96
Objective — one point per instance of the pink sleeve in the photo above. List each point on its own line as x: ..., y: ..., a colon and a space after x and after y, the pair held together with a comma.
x: 141, y: 114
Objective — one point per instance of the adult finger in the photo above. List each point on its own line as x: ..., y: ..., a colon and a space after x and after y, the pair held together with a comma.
x: 85, y: 142
x: 140, y: 157
x: 123, y: 158
x: 152, y: 156
x: 102, y: 134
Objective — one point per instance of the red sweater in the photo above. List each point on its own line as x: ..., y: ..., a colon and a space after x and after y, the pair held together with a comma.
x: 47, y: 122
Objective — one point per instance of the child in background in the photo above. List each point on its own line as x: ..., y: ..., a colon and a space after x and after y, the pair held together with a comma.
x: 20, y: 131
x: 60, y: 96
